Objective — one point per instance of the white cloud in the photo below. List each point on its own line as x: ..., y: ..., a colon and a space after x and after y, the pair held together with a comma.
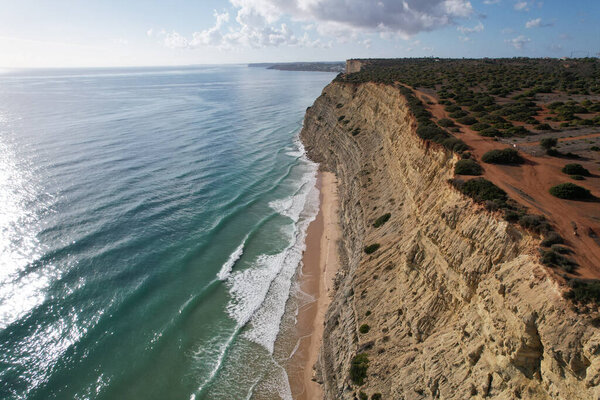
x: 150, y: 32
x: 521, y: 5
x: 465, y: 30
x: 537, y: 23
x: 488, y: 2
x: 519, y: 42
x: 533, y: 23
x: 343, y: 17
x: 258, y: 22
x: 253, y: 30
x: 174, y: 40
x: 507, y: 31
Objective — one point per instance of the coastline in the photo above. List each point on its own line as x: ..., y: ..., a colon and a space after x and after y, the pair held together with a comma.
x: 320, y: 264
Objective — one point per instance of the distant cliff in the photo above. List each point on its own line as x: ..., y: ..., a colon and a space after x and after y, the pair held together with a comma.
x: 303, y: 66
x: 455, y: 302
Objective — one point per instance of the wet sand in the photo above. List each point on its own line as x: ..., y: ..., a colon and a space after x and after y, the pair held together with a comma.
x: 320, y: 264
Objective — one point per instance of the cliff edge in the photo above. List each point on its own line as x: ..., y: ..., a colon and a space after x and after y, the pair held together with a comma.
x: 454, y: 303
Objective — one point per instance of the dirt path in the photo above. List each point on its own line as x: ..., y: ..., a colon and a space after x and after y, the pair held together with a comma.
x: 563, y: 139
x: 529, y: 183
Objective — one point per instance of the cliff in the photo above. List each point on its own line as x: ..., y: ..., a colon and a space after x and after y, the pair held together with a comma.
x: 457, y: 303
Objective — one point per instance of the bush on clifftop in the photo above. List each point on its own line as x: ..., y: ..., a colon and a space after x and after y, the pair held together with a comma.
x: 481, y: 190
x: 467, y: 167
x: 548, y: 143
x: 504, y: 156
x: 575, y: 169
x: 570, y: 191
x: 584, y: 291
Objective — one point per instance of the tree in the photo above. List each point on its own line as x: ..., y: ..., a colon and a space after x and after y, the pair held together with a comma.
x: 548, y: 143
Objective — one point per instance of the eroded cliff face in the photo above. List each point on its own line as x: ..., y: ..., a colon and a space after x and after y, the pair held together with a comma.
x: 456, y: 300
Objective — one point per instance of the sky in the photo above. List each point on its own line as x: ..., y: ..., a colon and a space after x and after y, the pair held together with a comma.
x: 94, y: 33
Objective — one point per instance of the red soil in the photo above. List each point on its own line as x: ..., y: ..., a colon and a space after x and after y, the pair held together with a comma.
x: 528, y: 184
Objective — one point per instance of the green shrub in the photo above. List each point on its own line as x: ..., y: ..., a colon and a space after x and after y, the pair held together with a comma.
x: 480, y: 190
x: 339, y: 105
x: 376, y: 396
x: 372, y: 248
x: 544, y: 127
x: 517, y: 131
x: 454, y: 144
x: 341, y: 117
x: 535, y: 223
x: 584, y: 291
x: 490, y: 132
x: 358, y: 368
x: 551, y: 258
x: 364, y: 328
x: 595, y: 148
x: 511, y: 216
x: 570, y: 191
x: 468, y: 120
x: 555, y: 105
x: 458, y: 114
x: 552, y: 238
x: 480, y: 126
x: 575, y: 169
x: 548, y: 143
x: 452, y: 108
x: 578, y: 177
x: 382, y: 220
x: 446, y: 122
x: 362, y: 396
x: 504, y: 156
x: 356, y: 131
x: 561, y: 249
x: 467, y: 167
x: 432, y: 132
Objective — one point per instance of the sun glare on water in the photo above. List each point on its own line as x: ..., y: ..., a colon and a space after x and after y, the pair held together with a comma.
x: 20, y: 290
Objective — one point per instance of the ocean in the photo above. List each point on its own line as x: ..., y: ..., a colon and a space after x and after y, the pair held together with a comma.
x: 152, y: 223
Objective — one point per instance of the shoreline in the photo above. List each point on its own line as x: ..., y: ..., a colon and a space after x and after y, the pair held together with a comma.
x: 320, y: 264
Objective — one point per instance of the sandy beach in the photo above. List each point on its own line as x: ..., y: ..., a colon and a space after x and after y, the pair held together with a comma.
x: 320, y: 264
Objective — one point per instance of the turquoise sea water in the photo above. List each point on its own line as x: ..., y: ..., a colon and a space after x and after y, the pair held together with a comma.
x: 151, y: 223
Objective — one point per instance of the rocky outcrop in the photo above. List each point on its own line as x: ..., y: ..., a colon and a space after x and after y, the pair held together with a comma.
x: 457, y: 303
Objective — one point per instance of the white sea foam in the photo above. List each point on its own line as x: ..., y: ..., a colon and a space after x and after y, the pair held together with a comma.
x: 259, y: 293
x: 226, y: 269
x: 213, y: 355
